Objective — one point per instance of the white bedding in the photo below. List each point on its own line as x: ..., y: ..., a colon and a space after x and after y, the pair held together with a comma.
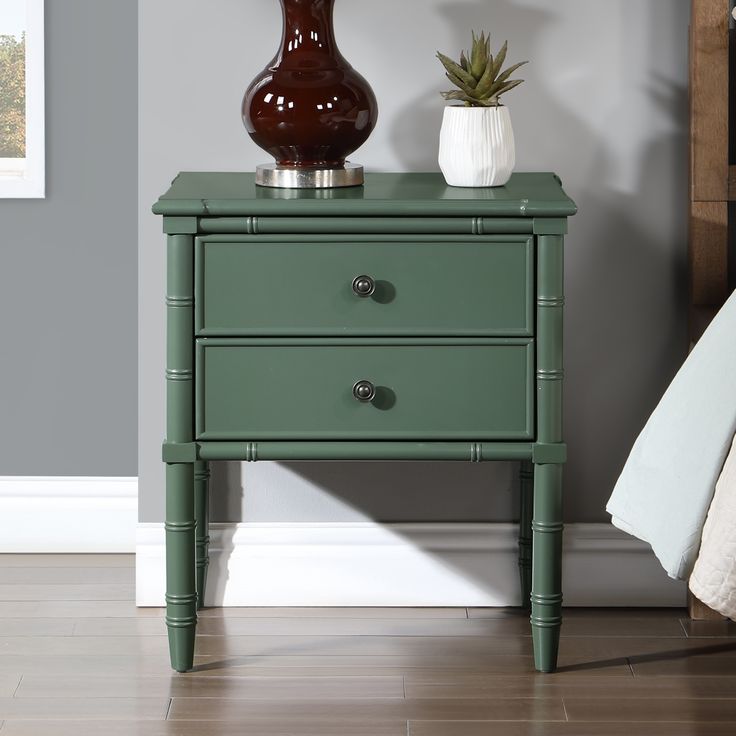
x: 714, y: 577
x: 667, y: 484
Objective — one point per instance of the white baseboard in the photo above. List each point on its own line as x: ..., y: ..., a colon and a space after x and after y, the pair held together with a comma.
x: 41, y: 514
x: 368, y: 564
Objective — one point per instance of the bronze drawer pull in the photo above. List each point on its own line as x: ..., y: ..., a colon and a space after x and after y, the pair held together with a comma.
x: 364, y: 391
x: 364, y: 286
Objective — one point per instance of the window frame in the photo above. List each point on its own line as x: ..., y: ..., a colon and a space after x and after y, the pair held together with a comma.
x: 25, y: 178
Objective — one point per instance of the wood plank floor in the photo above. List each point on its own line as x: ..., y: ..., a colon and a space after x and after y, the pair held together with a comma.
x: 77, y: 657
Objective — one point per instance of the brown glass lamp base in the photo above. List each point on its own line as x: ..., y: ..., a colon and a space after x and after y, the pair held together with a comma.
x: 282, y: 177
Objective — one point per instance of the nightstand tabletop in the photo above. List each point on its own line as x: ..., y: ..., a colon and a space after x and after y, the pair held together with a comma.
x: 236, y: 194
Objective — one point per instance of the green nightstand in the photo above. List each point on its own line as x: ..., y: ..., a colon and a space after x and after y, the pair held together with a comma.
x: 402, y: 320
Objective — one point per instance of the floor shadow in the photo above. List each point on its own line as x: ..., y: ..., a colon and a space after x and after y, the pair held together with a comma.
x: 635, y: 659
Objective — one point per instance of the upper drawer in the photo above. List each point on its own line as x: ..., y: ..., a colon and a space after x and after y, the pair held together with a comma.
x: 248, y: 286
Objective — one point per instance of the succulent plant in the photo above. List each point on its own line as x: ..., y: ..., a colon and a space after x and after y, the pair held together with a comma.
x: 479, y: 76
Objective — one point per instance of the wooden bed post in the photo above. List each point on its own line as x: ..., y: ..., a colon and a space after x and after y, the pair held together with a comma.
x: 710, y: 192
x: 709, y: 154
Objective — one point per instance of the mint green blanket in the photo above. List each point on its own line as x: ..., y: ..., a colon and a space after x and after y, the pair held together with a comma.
x: 667, y: 484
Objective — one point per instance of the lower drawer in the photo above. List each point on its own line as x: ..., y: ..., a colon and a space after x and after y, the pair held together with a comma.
x: 371, y: 389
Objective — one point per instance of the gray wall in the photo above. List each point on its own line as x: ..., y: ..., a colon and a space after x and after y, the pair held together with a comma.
x: 68, y: 276
x: 604, y: 105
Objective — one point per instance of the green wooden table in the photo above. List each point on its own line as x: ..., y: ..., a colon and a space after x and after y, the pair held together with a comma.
x: 402, y: 320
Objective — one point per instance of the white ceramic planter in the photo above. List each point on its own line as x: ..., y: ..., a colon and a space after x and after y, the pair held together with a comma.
x: 477, y: 146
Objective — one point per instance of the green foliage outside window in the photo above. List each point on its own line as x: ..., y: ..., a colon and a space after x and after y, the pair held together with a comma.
x: 12, y: 97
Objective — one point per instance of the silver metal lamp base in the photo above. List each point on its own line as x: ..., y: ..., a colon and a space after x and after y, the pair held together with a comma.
x: 272, y: 175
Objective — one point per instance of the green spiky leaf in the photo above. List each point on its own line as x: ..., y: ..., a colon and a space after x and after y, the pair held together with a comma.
x: 500, y: 59
x: 459, y: 96
x: 503, y: 77
x: 456, y: 69
x: 486, y: 81
x: 500, y: 88
x: 508, y: 86
x: 478, y: 56
x: 460, y: 84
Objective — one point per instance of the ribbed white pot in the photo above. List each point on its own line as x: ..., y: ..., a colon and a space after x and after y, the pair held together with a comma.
x: 477, y: 146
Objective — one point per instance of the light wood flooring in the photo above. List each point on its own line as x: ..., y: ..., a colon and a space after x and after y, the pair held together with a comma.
x: 77, y: 657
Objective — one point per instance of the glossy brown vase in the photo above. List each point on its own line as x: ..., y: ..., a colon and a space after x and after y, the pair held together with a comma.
x: 309, y: 108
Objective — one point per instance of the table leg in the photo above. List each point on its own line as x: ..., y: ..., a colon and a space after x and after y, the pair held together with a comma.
x: 546, y: 595
x: 181, y: 592
x: 526, y: 496
x: 202, y: 517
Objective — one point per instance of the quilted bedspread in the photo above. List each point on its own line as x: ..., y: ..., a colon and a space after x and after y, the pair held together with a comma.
x: 666, y: 487
x: 714, y: 577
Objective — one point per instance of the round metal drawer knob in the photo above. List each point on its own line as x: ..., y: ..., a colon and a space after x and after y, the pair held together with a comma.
x: 364, y: 391
x: 363, y: 286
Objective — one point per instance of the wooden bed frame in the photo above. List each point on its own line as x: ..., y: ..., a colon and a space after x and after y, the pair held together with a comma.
x: 712, y: 177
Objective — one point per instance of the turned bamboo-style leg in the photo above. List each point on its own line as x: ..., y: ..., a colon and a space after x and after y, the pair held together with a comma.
x: 546, y: 598
x: 526, y: 509
x: 547, y: 563
x: 202, y: 517
x: 181, y: 590
x: 181, y: 595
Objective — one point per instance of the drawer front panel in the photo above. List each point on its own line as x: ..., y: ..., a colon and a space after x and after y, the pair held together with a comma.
x: 265, y: 287
x: 304, y: 390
